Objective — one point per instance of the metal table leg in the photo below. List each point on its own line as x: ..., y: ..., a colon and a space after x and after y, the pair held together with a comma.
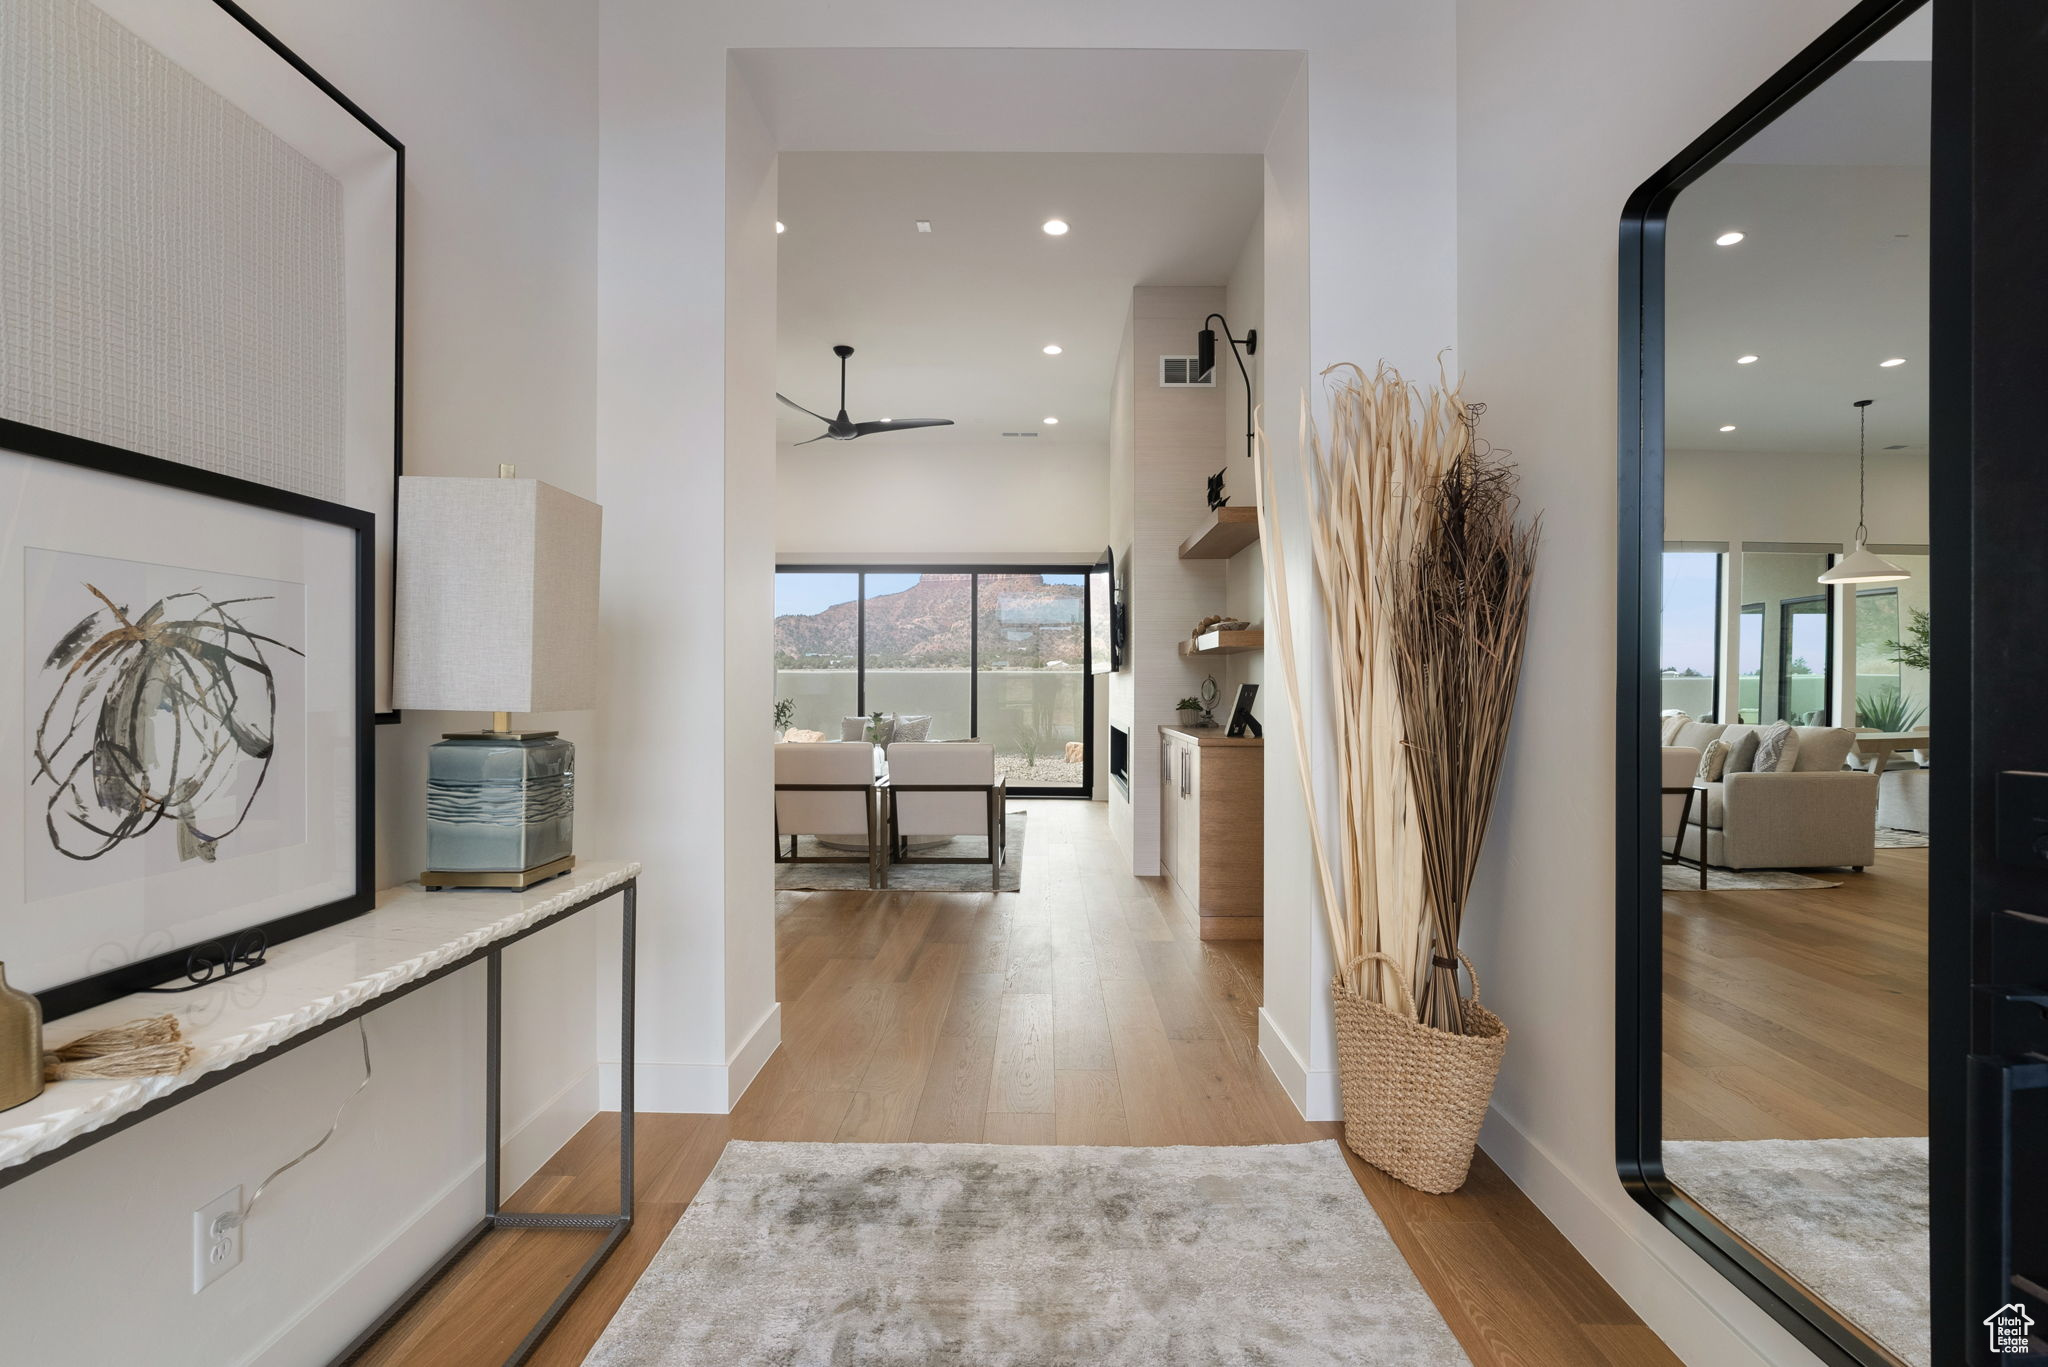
x: 495, y: 1217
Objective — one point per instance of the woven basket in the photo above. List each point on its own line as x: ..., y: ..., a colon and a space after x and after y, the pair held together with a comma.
x: 1414, y: 1096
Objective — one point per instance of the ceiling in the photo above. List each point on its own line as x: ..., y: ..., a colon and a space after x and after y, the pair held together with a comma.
x: 950, y: 323
x: 1830, y: 278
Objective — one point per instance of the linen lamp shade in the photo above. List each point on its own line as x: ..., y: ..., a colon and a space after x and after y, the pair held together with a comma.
x: 497, y: 596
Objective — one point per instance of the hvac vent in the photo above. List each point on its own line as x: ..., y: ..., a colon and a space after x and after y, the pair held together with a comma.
x: 1020, y: 434
x: 1178, y: 372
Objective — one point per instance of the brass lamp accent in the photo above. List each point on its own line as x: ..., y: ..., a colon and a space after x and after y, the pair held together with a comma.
x: 21, y: 1045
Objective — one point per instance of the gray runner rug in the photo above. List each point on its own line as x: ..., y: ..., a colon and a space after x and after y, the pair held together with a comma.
x: 1848, y: 1217
x: 998, y: 1255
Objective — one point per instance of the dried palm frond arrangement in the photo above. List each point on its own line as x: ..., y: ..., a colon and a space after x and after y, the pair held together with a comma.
x: 1461, y: 614
x: 1423, y: 569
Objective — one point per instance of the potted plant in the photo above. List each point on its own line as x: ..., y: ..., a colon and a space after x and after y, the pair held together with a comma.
x: 785, y: 715
x: 1190, y: 711
x: 1424, y: 565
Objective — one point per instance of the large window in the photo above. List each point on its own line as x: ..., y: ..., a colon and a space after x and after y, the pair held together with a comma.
x: 1787, y: 649
x: 1691, y: 652
x: 999, y: 655
x: 1891, y: 657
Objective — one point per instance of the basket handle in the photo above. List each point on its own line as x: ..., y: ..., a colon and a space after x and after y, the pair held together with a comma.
x: 1473, y: 973
x: 1407, y: 999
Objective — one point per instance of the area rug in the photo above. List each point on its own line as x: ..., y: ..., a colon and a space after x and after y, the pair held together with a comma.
x: 1686, y: 878
x: 998, y: 1255
x: 1890, y: 838
x: 1848, y: 1217
x: 911, y: 877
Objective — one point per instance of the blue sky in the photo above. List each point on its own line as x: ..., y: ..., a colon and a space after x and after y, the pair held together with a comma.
x: 1691, y: 587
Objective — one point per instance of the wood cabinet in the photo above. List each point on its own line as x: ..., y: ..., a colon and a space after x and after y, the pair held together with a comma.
x: 1212, y: 828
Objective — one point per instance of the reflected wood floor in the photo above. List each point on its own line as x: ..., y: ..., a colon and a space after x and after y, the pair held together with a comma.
x: 1799, y: 1014
x: 1081, y: 1010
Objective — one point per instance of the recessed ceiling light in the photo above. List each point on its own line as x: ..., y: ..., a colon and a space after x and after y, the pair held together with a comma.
x: 1055, y: 227
x: 1052, y: 422
x: 1053, y: 349
x: 924, y: 225
x: 778, y: 225
x: 1745, y: 360
x: 1728, y: 239
x: 1896, y: 360
x: 1729, y: 427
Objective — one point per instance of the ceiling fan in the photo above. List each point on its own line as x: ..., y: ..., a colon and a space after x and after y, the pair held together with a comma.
x: 840, y: 429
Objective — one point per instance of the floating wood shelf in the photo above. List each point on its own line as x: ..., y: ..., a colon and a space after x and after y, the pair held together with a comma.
x: 1228, y: 531
x: 1224, y: 643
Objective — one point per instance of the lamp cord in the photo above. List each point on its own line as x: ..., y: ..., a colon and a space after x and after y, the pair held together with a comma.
x: 240, y: 1217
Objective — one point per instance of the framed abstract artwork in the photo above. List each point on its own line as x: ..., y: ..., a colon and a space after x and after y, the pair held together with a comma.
x: 186, y: 687
x: 202, y: 255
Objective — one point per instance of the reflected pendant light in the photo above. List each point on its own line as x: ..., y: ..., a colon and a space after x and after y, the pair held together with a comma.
x: 1862, y: 566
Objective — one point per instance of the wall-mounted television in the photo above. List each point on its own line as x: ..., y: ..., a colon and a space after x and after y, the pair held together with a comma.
x: 1105, y: 616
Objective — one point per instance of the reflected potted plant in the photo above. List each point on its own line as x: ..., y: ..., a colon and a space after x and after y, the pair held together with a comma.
x: 785, y: 715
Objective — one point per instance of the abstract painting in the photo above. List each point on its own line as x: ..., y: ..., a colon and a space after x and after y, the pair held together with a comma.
x: 163, y: 721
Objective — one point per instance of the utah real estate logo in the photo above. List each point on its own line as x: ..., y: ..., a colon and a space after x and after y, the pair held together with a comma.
x: 2009, y: 1325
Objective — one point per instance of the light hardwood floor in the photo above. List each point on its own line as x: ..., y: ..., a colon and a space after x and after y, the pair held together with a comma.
x: 1799, y: 1014
x: 1081, y: 1010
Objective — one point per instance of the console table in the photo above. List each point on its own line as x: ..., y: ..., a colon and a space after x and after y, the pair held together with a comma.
x: 325, y: 980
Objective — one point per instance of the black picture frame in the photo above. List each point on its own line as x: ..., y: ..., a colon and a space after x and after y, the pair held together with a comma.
x: 327, y: 88
x: 1241, y: 718
x: 91, y: 990
x: 1638, y: 881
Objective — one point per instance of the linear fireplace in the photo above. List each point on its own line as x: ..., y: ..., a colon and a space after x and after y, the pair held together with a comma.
x: 1120, y: 758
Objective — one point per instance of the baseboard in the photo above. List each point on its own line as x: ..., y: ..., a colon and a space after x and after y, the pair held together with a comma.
x: 356, y: 1297
x: 753, y: 1054
x: 696, y: 1088
x: 1663, y: 1281
x: 1314, y: 1092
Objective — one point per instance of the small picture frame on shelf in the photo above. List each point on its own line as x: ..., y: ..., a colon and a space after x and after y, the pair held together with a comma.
x: 1242, y: 722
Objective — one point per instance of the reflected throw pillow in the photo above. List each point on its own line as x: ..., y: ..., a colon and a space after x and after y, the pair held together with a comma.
x: 1777, y: 749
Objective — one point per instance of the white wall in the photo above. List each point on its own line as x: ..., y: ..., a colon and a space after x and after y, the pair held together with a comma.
x: 1025, y: 496
x: 497, y: 103
x: 1736, y: 496
x: 1563, y: 109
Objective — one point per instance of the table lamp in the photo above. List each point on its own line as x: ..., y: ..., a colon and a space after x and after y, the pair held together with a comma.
x: 497, y: 612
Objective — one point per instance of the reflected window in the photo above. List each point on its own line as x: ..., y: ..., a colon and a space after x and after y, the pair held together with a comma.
x: 1787, y: 640
x: 1689, y: 675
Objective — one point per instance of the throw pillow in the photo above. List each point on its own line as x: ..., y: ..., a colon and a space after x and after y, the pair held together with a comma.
x: 794, y: 736
x: 852, y: 728
x: 1668, y: 734
x: 1742, y: 751
x: 1777, y: 749
x: 912, y: 728
x: 1713, y: 761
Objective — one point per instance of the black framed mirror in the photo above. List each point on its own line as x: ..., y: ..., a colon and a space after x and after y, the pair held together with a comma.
x: 1774, y: 750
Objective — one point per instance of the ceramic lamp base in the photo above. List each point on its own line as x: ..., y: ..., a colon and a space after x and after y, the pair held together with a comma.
x: 500, y: 809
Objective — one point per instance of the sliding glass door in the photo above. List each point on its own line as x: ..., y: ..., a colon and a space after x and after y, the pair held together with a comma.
x: 995, y: 654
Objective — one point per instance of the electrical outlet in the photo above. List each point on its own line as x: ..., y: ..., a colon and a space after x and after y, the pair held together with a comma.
x: 216, y: 1239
